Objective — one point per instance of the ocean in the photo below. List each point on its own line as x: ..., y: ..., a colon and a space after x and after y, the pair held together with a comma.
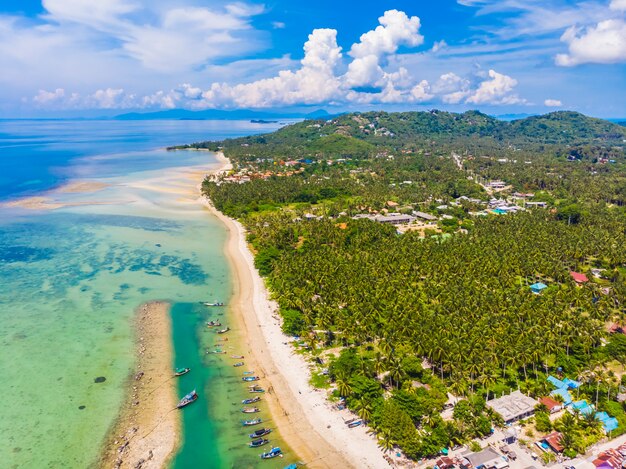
x: 71, y: 278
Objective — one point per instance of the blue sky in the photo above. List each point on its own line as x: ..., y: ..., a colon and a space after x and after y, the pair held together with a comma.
x: 499, y: 56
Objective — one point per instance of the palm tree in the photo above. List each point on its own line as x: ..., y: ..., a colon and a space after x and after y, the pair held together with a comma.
x: 385, y: 440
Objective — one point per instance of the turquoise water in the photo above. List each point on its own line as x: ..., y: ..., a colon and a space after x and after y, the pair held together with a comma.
x: 71, y: 279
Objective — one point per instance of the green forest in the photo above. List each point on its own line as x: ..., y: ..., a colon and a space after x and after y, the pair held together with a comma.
x: 401, y: 319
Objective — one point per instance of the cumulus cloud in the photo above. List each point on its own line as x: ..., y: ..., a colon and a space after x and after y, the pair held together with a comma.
x: 498, y: 89
x: 552, y: 103
x: 370, y: 72
x: 619, y: 5
x: 604, y: 43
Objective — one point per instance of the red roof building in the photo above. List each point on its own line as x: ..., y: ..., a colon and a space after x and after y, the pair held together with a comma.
x: 578, y: 277
x: 554, y: 442
x: 551, y: 404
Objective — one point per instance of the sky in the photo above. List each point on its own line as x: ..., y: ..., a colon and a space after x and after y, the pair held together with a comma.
x: 498, y: 56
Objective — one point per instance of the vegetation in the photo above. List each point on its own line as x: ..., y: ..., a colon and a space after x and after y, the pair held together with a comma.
x: 412, y: 317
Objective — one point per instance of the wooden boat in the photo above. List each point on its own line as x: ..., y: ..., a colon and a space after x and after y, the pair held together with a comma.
x: 250, y: 423
x: 214, y: 304
x: 218, y: 351
x: 213, y: 324
x: 250, y: 410
x: 251, y: 400
x: 258, y: 443
x: 250, y: 378
x: 248, y: 372
x: 256, y: 389
x: 356, y: 423
x: 223, y: 331
x: 260, y: 432
x: 237, y: 357
x: 273, y: 453
x: 188, y: 399
x: 181, y: 371
x: 238, y: 364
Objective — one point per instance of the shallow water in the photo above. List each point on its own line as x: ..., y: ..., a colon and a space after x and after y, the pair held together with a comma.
x: 70, y: 281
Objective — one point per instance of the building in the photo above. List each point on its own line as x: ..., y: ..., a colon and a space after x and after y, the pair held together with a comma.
x: 552, y: 405
x: 563, y: 394
x: 553, y: 441
x: 578, y: 277
x: 513, y: 407
x: 425, y: 216
x: 538, y: 287
x: 394, y: 219
x: 487, y: 459
x: 536, y: 204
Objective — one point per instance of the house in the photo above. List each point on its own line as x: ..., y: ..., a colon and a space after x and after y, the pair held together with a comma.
x: 425, y: 216
x: 553, y: 441
x: 610, y: 459
x: 536, y: 204
x: 551, y: 404
x: 557, y: 383
x: 578, y: 277
x: 392, y: 204
x: 444, y: 463
x: 608, y: 423
x: 563, y: 394
x: 513, y: 407
x: 582, y: 407
x: 394, y: 219
x: 538, y: 287
x: 487, y: 458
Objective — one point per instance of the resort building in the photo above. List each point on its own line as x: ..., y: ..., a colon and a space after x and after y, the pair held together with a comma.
x: 513, y: 407
x: 394, y: 219
x: 538, y: 287
x: 579, y: 278
x: 552, y: 405
x: 425, y: 216
x: 487, y: 459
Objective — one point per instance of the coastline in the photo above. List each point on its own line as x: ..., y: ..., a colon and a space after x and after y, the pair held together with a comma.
x: 148, y: 428
x: 305, y: 419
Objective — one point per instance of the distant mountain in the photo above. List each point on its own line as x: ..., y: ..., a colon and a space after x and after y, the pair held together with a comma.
x: 216, y: 114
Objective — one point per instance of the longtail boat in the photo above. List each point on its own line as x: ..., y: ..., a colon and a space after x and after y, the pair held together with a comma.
x: 213, y: 304
x: 188, y: 399
x: 181, y: 371
x: 250, y: 423
x: 274, y: 452
x: 213, y: 324
x: 251, y: 400
x: 238, y: 364
x: 248, y: 372
x: 237, y: 357
x: 356, y: 423
x: 258, y: 443
x: 250, y: 378
x: 223, y: 331
x: 256, y: 389
x: 260, y: 432
x: 250, y: 410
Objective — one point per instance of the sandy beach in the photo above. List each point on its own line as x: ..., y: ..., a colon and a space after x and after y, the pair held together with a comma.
x: 146, y: 432
x: 305, y: 419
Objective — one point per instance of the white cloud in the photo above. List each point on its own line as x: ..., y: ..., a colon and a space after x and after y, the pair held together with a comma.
x: 278, y: 25
x: 498, y: 89
x: 421, y: 92
x: 451, y: 88
x: 619, y: 5
x: 604, y: 43
x: 552, y: 103
x: 437, y: 46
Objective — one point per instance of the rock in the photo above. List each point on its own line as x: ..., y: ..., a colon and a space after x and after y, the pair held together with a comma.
x: 99, y: 379
x: 138, y: 376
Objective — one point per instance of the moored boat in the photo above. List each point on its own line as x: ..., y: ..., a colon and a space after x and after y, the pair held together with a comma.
x: 188, y: 399
x: 274, y: 452
x: 181, y: 371
x: 250, y: 378
x: 250, y: 423
x: 223, y: 331
x: 251, y: 400
x: 260, y: 432
x: 250, y: 410
x: 238, y: 364
x: 256, y: 389
x: 258, y: 443
x: 213, y: 324
x: 214, y: 304
x: 356, y: 423
x: 248, y: 372
x: 237, y: 357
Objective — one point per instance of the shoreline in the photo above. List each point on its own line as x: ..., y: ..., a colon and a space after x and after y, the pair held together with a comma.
x: 147, y: 427
x: 305, y: 419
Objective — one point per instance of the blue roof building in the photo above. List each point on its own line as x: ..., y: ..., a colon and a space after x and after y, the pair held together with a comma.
x: 608, y: 423
x: 564, y: 394
x: 538, y: 287
x: 557, y: 383
x: 571, y: 383
x: 583, y: 407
